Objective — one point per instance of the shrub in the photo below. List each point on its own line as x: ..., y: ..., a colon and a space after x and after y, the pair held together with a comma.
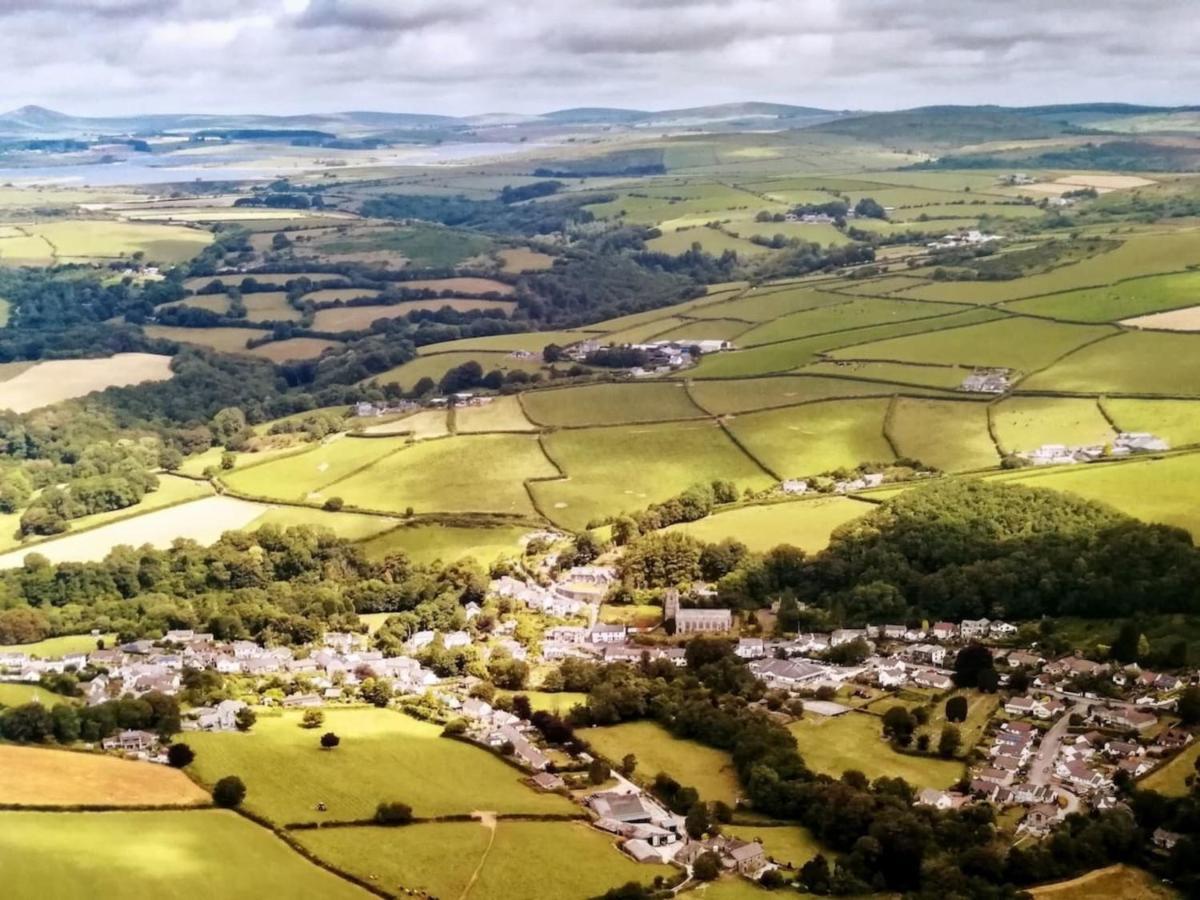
x: 229, y: 792
x: 312, y: 718
x: 329, y: 740
x: 707, y: 866
x: 393, y: 813
x: 333, y: 504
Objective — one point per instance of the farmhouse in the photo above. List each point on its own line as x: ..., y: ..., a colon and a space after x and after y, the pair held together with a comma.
x: 131, y: 741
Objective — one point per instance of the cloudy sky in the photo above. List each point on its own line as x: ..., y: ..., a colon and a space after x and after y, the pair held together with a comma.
x: 94, y: 57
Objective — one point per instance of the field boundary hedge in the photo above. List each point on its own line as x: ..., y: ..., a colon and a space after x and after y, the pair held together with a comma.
x: 746, y: 450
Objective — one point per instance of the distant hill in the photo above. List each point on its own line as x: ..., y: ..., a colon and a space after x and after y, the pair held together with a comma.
x: 948, y: 125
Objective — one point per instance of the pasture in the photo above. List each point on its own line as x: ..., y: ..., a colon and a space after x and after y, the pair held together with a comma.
x: 37, y: 776
x: 848, y: 314
x: 14, y: 693
x: 267, y: 306
x: 202, y: 520
x: 1025, y: 423
x: 704, y: 330
x: 301, y: 476
x: 293, y: 348
x: 475, y: 860
x: 1123, y: 300
x: 710, y: 240
x: 502, y: 414
x: 741, y: 395
x: 609, y: 404
x: 53, y: 381
x: 789, y: 845
x: 61, y: 645
x: 86, y: 240
x: 1172, y: 778
x: 420, y: 245
x: 1016, y: 343
x: 448, y: 543
x: 1131, y: 363
x: 1122, y: 881
x: 766, y: 304
x: 951, y: 435
x: 613, y: 470
x: 222, y: 339
x: 802, y: 523
x: 692, y: 764
x: 819, y: 437
x: 522, y: 259
x: 422, y: 425
x: 168, y: 855
x: 902, y: 374
x: 383, y: 755
x: 855, y: 741
x: 531, y: 342
x: 467, y: 473
x: 1177, y: 421
x: 351, y: 526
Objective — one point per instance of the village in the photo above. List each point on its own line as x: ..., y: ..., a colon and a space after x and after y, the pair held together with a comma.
x: 1051, y: 744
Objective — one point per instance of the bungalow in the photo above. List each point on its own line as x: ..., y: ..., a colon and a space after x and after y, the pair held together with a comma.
x: 522, y: 749
x: 1123, y: 717
x: 548, y: 781
x: 935, y: 798
x: 927, y: 678
x: 994, y: 776
x: 1135, y: 767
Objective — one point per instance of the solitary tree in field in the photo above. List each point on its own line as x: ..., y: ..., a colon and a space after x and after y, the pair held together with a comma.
x: 180, y: 755
x: 598, y: 772
x: 312, y: 718
x: 956, y: 709
x: 245, y: 718
x: 229, y: 792
x: 329, y: 740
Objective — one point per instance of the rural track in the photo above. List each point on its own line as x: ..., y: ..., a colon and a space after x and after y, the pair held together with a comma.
x: 488, y: 821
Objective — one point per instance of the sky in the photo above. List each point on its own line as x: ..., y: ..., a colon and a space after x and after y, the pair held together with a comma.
x: 458, y: 57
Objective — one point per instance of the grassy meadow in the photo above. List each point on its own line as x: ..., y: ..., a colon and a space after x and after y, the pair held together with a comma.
x: 802, y: 523
x: 951, y: 435
x: 709, y: 771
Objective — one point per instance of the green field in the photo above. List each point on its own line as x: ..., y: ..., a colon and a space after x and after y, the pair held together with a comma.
x: 1171, y: 778
x: 706, y: 330
x: 268, y: 306
x: 741, y: 395
x: 293, y: 348
x: 1119, y: 301
x: 173, y: 855
x: 13, y: 694
x: 709, y: 771
x: 853, y: 741
x: 1177, y: 421
x: 384, y: 755
x: 304, y: 474
x: 765, y: 304
x: 851, y: 313
x: 613, y: 470
x: 1154, y: 490
x: 609, y: 404
x: 532, y: 341
x: 502, y: 414
x: 427, y: 543
x: 819, y: 437
x: 1133, y: 363
x: 436, y: 365
x: 359, y: 318
x: 951, y: 435
x: 423, y: 245
x: 710, y: 240
x: 471, y: 473
x: 61, y: 646
x: 1017, y: 343
x: 906, y: 374
x: 1025, y: 423
x: 801, y: 523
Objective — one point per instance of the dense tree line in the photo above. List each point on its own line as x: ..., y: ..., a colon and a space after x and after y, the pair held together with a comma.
x: 34, y: 723
x: 486, y: 215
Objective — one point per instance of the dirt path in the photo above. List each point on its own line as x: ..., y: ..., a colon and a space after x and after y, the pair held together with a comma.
x: 488, y: 821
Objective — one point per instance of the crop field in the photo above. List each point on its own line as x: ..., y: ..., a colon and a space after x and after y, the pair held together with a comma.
x: 1132, y: 363
x: 467, y: 473
x: 293, y: 348
x: 459, y: 285
x: 645, y: 331
x: 901, y: 374
x: 850, y: 313
x: 359, y: 318
x: 658, y: 203
x: 202, y: 520
x: 816, y: 438
x: 613, y: 470
x: 1154, y: 490
x: 709, y: 771
x: 470, y: 859
x: 168, y: 855
x: 1146, y: 254
x: 522, y: 259
x: 740, y: 395
x: 449, y: 543
x: 1017, y: 343
x: 53, y: 381
x: 951, y: 435
x: 610, y: 404
x: 383, y: 754
x: 809, y: 232
x: 273, y: 278
x: 436, y: 365
x: 1186, y: 319
x: 855, y: 741
x: 428, y: 423
x: 789, y: 845
x: 36, y: 776
x: 1025, y: 423
x: 502, y: 414
x: 85, y: 240
x: 1176, y: 421
x: 351, y: 526
x: 1126, y: 299
x: 802, y: 523
x: 533, y: 342
x: 1122, y: 881
x: 1172, y: 778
